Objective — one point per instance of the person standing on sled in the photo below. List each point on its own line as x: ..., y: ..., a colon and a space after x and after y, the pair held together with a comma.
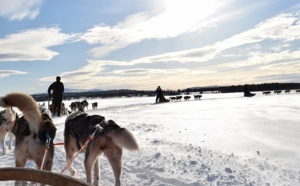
x: 58, y: 89
x: 247, y: 93
x: 160, y: 96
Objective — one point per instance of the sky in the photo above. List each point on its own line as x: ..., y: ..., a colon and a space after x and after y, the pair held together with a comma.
x: 134, y: 44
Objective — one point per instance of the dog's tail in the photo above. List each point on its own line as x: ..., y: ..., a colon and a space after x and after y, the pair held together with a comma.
x: 27, y: 105
x: 122, y: 137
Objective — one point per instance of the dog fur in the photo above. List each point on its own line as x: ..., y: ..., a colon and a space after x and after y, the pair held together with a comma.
x: 43, y: 110
x: 27, y: 105
x: 73, y: 106
x: 6, y: 127
x: 77, y: 106
x: 63, y: 110
x: 85, y: 104
x: 32, y: 147
x: 30, y: 131
x: 109, y: 140
x: 266, y: 92
x: 95, y: 106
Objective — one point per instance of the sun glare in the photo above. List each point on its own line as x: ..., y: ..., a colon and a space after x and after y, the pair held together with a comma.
x: 191, y: 9
x: 184, y: 14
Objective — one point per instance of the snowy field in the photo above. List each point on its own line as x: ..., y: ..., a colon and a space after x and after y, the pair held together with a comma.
x: 222, y: 139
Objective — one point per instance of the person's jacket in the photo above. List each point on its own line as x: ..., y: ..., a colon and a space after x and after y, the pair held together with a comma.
x: 58, y: 89
x: 159, y: 90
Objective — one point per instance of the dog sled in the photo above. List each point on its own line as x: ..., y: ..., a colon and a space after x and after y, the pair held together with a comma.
x: 39, y: 176
x: 249, y: 95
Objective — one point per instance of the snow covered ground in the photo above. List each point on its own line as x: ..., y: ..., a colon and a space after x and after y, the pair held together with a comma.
x: 222, y: 139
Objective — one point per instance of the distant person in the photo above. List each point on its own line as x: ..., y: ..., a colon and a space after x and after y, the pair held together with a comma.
x: 57, y: 89
x: 159, y: 92
x: 247, y: 93
x: 160, y: 96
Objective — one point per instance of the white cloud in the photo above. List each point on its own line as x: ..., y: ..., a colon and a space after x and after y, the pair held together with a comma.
x: 178, y: 17
x: 6, y: 73
x: 122, y: 74
x: 84, y: 74
x: 198, y: 55
x: 20, y: 9
x: 263, y: 58
x: 33, y: 44
x: 284, y: 27
x: 93, y: 74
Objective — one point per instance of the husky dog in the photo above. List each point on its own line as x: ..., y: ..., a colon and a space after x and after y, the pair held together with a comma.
x: 63, y: 111
x: 32, y: 131
x: 7, y: 119
x: 73, y: 106
x: 266, y: 92
x: 95, y: 105
x: 85, y: 104
x: 44, y: 110
x: 109, y: 140
x: 78, y: 106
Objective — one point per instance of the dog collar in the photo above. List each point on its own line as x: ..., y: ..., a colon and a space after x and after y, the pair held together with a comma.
x: 11, y: 122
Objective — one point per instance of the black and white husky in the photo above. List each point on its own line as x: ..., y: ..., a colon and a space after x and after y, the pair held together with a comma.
x: 32, y: 131
x: 109, y: 138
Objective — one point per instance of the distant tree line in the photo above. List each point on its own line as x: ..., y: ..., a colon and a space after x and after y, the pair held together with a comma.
x: 251, y: 87
x: 98, y: 94
x: 136, y: 93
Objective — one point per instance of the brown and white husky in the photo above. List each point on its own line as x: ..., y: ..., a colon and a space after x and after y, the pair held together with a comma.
x: 110, y: 140
x: 32, y: 131
x: 7, y: 120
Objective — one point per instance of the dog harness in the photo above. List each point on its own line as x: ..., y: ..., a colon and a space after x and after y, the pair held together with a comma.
x: 88, y: 131
x: 2, y: 118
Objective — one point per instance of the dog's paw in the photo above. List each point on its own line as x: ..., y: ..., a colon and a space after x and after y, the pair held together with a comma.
x: 4, y: 150
x: 73, y: 171
x: 96, y: 183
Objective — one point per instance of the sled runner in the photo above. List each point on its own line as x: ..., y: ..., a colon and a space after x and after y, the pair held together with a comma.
x: 249, y: 95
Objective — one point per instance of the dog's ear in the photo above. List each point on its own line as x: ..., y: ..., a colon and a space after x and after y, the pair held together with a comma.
x: 102, y: 118
x: 17, y: 117
x: 111, y: 122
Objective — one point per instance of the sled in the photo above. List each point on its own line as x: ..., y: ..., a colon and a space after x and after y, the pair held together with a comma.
x: 249, y: 95
x: 38, y: 176
x: 159, y: 103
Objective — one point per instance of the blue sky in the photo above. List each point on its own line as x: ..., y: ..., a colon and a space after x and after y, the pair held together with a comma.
x: 134, y: 44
